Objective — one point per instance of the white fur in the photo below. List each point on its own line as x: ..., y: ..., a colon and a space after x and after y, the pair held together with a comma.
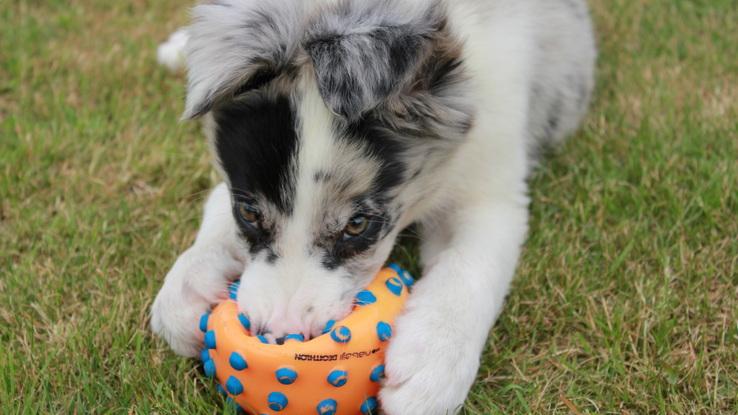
x: 198, y: 277
x: 473, y: 225
x: 468, y: 265
x: 172, y: 52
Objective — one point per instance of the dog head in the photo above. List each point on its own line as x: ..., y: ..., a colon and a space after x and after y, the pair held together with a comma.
x: 331, y: 125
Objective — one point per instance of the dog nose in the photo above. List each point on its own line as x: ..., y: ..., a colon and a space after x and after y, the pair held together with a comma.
x: 280, y: 340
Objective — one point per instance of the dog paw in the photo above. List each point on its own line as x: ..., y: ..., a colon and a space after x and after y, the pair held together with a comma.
x: 429, y: 367
x: 197, y: 280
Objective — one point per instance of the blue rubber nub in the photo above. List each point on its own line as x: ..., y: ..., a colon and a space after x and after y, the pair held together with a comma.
x: 262, y: 339
x: 233, y: 290
x: 277, y: 401
x: 397, y: 268
x: 245, y: 322
x: 394, y: 284
x: 384, y: 331
x: 377, y: 374
x: 329, y: 326
x: 338, y: 378
x: 286, y: 375
x: 205, y: 355
x: 237, y: 361
x: 297, y: 336
x: 204, y: 322
x: 365, y: 297
x: 327, y: 407
x: 210, y: 339
x: 369, y: 406
x: 341, y: 334
x: 209, y: 368
x: 405, y: 276
x: 234, y: 386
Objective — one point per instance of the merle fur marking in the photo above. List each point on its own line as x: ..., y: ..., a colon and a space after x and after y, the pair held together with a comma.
x: 237, y: 43
x: 364, y: 52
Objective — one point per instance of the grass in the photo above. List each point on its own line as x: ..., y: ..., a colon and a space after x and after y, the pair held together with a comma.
x: 626, y: 300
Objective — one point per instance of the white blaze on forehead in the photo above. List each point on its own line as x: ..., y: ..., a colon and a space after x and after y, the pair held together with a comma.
x: 345, y: 169
x: 316, y: 150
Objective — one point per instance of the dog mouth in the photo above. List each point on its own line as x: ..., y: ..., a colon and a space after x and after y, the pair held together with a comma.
x: 267, y: 335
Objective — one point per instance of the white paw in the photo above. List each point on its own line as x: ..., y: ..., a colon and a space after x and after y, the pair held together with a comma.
x: 430, y: 365
x: 172, y: 52
x: 198, y: 279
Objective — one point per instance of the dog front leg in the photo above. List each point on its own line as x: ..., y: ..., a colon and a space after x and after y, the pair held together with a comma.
x: 433, y: 360
x: 199, y: 277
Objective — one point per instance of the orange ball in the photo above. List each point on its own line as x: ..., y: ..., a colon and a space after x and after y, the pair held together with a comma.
x: 337, y: 373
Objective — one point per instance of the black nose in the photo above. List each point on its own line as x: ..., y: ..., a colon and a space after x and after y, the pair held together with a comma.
x: 280, y: 340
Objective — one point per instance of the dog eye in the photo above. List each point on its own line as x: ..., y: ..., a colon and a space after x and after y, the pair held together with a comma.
x: 248, y: 213
x: 356, y: 226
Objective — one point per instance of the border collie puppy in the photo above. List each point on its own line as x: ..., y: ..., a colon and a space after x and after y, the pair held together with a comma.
x: 337, y: 123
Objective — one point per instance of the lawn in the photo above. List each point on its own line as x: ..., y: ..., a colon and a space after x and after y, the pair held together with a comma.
x: 626, y: 300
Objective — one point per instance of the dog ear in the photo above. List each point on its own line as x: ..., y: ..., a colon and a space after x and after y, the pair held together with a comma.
x: 364, y: 51
x: 237, y: 45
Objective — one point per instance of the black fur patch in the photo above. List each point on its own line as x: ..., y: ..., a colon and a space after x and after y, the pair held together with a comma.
x: 342, y: 249
x: 382, y: 144
x: 259, y: 237
x: 259, y: 79
x: 256, y: 143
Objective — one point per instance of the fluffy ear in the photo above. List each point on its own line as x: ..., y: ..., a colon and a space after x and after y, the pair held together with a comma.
x: 236, y: 45
x: 364, y: 51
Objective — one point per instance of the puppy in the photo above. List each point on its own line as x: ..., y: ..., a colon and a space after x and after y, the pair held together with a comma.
x: 337, y: 123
